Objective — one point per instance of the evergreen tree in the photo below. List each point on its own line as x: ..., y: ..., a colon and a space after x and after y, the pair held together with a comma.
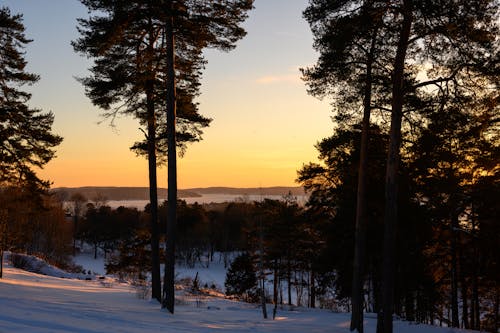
x: 348, y: 42
x: 148, y: 62
x: 241, y: 277
x: 455, y: 38
x: 26, y: 141
x: 455, y: 156
x: 127, y: 41
x: 332, y: 186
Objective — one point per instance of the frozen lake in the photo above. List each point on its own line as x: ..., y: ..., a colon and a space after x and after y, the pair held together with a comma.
x: 205, y: 198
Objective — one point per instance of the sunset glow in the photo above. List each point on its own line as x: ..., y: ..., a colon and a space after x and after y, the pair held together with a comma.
x: 264, y: 124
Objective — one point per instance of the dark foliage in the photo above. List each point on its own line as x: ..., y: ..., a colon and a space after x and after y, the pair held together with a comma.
x: 241, y: 278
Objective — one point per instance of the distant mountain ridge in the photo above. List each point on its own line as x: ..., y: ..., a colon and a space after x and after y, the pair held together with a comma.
x: 142, y: 193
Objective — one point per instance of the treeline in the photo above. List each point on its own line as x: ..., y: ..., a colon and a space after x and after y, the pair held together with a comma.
x: 282, y: 239
x: 409, y: 173
x: 447, y: 234
x: 304, y: 255
x: 35, y: 224
x: 116, y: 193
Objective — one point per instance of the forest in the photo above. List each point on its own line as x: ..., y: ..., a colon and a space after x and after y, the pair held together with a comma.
x: 402, y: 217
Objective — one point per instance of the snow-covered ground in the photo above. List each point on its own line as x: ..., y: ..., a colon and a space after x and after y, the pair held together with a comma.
x: 31, y: 302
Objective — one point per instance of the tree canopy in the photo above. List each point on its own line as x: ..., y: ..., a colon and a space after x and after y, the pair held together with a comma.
x: 26, y: 140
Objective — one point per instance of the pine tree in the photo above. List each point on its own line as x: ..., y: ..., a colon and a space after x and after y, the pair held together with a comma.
x: 148, y: 62
x: 454, y: 37
x: 26, y: 141
x: 457, y: 37
x: 348, y: 44
x: 241, y: 277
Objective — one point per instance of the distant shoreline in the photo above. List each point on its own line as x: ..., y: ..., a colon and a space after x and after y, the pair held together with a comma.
x: 118, y: 193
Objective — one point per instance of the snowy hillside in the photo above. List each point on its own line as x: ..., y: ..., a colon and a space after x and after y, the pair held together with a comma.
x: 31, y: 302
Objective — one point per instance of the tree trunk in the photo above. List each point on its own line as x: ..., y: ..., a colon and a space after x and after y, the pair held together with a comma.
x: 153, y: 199
x: 261, y: 269
x: 153, y: 186
x: 75, y: 229
x: 3, y: 235
x: 496, y: 307
x: 1, y: 261
x: 275, y: 289
x: 289, y: 281
x: 476, y: 319
x: 464, y: 291
x: 454, y: 273
x: 313, y: 291
x: 391, y: 182
x: 169, y: 289
x: 361, y: 207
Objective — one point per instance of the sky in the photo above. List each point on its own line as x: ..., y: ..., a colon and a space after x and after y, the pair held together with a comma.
x: 264, y: 126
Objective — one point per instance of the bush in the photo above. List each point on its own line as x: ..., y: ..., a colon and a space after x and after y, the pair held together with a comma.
x: 21, y: 261
x: 240, y: 277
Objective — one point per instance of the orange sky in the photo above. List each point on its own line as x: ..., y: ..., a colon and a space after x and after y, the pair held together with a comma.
x: 264, y: 124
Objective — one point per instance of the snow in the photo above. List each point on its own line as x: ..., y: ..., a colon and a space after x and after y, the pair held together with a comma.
x: 32, y: 302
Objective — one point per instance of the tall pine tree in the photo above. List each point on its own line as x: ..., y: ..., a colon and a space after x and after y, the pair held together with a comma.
x: 26, y: 141
x: 148, y: 62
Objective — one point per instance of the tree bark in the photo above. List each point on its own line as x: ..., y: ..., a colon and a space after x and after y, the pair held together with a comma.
x: 1, y: 261
x: 475, y: 312
x: 313, y: 290
x: 275, y: 289
x: 391, y: 182
x: 464, y: 291
x: 261, y: 269
x: 289, y: 281
x: 496, y: 308
x: 454, y: 273
x: 169, y: 289
x: 361, y: 207
x: 153, y: 185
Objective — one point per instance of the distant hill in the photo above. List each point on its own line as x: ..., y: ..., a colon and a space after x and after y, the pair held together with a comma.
x: 276, y: 190
x: 142, y: 193
x: 118, y: 193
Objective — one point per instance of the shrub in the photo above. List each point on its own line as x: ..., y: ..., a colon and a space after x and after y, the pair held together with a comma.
x: 240, y: 277
x: 21, y: 261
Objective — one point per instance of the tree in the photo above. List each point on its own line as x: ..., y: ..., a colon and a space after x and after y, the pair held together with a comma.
x: 241, y: 277
x: 216, y: 24
x: 455, y: 37
x: 332, y: 185
x: 348, y: 44
x: 455, y: 157
x: 25, y: 133
x: 78, y: 202
x: 138, y: 66
x: 127, y: 41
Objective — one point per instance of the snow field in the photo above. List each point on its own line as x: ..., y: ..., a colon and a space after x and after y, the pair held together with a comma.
x: 30, y: 302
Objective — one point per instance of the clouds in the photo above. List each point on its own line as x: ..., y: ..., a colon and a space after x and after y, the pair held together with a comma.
x: 292, y: 75
x: 272, y: 79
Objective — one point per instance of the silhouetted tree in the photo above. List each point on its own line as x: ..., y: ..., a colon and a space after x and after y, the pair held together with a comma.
x: 26, y: 141
x: 240, y: 277
x: 127, y: 41
x: 78, y: 202
x: 139, y: 64
x: 455, y: 38
x: 348, y: 42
